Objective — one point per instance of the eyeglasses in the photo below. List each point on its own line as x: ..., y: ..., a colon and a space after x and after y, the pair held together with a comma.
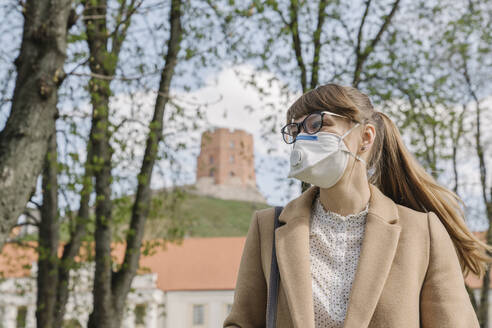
x: 311, y: 124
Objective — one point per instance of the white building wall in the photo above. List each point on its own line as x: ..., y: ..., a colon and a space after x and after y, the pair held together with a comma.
x: 18, y: 292
x: 173, y: 309
x: 180, y: 307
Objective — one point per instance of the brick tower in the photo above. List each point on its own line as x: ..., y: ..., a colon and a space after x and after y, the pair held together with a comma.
x: 226, y: 161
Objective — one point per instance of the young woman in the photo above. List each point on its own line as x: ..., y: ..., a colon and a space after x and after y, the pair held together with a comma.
x: 375, y: 242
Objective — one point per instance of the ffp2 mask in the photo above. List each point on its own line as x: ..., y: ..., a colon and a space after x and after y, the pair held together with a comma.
x: 320, y: 159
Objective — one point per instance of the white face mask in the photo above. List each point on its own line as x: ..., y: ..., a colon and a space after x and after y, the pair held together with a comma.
x: 320, y: 159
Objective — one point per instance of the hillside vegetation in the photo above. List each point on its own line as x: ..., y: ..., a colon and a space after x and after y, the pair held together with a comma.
x: 201, y: 216
x: 175, y: 214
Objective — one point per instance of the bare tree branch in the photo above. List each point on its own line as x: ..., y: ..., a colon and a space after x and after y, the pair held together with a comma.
x: 317, y: 42
x: 296, y: 41
x: 361, y: 56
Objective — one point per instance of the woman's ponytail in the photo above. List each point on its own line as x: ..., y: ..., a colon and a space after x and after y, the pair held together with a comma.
x: 401, y: 177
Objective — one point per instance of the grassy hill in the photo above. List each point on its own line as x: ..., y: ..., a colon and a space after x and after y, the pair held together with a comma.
x: 201, y: 216
x: 174, y: 214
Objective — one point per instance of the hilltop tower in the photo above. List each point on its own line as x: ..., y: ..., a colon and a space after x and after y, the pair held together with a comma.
x: 225, y: 165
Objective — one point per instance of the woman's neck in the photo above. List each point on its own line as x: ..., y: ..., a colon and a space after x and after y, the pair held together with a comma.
x: 349, y: 195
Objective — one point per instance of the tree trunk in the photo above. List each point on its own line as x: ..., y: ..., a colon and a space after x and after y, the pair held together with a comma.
x: 123, y: 278
x: 483, y: 310
x: 103, y: 65
x: 101, y: 163
x: 455, y: 138
x: 24, y: 140
x: 72, y: 248
x: 54, y: 273
x: 47, y: 278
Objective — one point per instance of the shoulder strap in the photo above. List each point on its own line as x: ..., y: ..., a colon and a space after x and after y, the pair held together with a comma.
x: 271, y: 312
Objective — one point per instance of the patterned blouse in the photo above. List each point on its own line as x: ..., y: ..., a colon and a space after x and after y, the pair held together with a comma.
x: 335, y: 242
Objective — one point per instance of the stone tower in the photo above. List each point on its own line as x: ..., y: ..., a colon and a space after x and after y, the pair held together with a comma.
x: 225, y: 165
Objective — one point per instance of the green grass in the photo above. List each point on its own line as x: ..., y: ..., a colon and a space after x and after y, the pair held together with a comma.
x: 214, y: 217
x: 176, y: 214
x: 204, y: 216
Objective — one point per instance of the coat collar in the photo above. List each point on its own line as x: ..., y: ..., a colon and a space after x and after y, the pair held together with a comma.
x: 379, y: 244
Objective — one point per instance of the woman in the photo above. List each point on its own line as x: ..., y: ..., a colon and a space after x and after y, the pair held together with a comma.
x: 375, y: 242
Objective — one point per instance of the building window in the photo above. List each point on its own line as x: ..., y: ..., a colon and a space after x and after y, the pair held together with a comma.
x: 231, y: 159
x: 198, y: 314
x: 140, y: 310
x: 21, y: 317
x: 72, y: 323
x: 229, y: 308
x: 231, y: 174
x: 211, y: 159
x: 211, y: 173
x: 231, y: 144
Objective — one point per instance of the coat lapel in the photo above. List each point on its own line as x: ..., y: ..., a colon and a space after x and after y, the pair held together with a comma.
x: 378, y: 249
x: 292, y: 246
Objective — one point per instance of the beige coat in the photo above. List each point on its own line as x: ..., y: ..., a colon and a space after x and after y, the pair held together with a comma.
x: 408, y: 273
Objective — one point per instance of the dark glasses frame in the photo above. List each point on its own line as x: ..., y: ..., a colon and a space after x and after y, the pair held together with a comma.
x: 302, y: 125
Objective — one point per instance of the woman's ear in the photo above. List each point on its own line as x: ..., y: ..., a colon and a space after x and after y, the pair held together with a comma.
x: 368, y: 136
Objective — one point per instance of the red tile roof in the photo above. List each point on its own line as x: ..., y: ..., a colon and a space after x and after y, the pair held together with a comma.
x: 196, y: 264
x: 15, y: 261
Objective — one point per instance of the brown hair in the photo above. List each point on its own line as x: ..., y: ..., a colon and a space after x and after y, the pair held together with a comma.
x: 404, y: 180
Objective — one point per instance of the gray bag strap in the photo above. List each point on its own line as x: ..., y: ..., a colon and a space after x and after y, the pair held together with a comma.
x: 271, y: 313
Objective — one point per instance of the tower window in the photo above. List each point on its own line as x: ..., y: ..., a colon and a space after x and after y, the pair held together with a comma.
x: 211, y: 173
x: 232, y: 174
x: 231, y: 159
x: 231, y: 144
x: 211, y: 159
